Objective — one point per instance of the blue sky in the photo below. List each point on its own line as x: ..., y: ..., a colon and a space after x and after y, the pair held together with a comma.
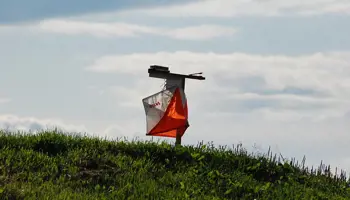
x: 277, y: 71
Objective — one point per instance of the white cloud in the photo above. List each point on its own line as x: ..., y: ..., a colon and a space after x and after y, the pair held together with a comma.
x: 120, y: 29
x: 201, y: 32
x: 93, y: 28
x: 126, y: 130
x: 4, y: 100
x: 312, y: 86
x: 14, y: 123
x: 230, y: 8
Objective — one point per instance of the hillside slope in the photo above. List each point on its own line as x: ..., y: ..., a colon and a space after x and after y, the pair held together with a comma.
x: 53, y: 165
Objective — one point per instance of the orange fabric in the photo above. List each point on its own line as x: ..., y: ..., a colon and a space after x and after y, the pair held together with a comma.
x: 175, y: 118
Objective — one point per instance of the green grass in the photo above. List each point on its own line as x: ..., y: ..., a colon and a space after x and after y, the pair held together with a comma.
x: 52, y: 165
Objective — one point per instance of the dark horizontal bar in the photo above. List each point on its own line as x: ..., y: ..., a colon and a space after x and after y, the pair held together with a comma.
x: 160, y: 68
x: 164, y: 75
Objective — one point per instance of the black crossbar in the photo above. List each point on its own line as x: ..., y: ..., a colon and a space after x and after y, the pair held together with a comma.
x: 164, y: 73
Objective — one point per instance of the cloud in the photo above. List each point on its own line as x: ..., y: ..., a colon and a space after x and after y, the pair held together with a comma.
x: 96, y: 29
x: 120, y: 29
x: 314, y: 86
x: 201, y: 32
x: 14, y: 123
x: 125, y: 130
x: 269, y: 8
x: 4, y: 100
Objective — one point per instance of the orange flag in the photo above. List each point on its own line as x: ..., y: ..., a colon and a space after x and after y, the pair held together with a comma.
x: 166, y: 113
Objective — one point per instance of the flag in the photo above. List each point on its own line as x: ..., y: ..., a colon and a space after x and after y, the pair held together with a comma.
x: 166, y: 113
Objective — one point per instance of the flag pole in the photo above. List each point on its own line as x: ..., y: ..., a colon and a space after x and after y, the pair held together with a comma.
x: 157, y: 71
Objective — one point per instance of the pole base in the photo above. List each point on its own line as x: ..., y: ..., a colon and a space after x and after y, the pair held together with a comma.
x: 178, y: 140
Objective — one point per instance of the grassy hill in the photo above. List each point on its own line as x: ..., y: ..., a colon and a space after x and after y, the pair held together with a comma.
x: 54, y: 165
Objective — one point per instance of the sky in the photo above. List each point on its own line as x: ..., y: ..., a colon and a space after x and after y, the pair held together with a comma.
x: 277, y: 72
